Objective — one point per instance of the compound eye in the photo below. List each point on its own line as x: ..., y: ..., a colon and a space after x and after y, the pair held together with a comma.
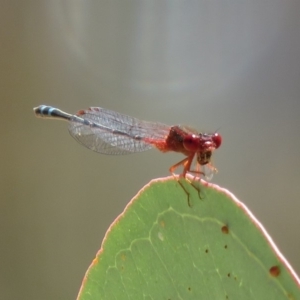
x: 217, y: 139
x: 191, y: 142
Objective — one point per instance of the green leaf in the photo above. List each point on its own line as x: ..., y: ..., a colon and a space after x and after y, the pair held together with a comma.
x: 162, y: 248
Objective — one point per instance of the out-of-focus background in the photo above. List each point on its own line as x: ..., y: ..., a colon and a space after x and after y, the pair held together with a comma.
x: 230, y: 66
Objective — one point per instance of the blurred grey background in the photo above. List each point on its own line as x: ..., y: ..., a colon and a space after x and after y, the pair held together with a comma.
x: 230, y: 66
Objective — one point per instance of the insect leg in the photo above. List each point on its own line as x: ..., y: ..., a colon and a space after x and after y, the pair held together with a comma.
x: 186, y: 162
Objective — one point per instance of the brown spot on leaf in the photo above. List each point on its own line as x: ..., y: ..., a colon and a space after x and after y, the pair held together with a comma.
x: 274, y: 271
x: 225, y: 229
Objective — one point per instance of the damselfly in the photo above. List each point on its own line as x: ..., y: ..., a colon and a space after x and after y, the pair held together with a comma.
x: 108, y: 132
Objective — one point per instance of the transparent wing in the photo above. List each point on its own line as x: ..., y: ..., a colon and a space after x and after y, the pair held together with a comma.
x: 109, y: 132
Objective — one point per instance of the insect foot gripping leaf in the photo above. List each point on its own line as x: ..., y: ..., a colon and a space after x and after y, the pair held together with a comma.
x: 162, y: 248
